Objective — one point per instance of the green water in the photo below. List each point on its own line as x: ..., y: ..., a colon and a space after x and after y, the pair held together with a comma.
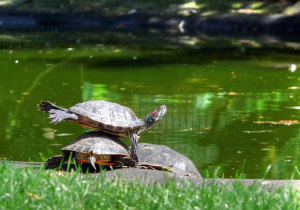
x: 232, y: 112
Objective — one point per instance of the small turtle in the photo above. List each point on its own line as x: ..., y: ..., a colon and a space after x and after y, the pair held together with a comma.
x: 162, y: 157
x: 107, y: 117
x: 94, y: 147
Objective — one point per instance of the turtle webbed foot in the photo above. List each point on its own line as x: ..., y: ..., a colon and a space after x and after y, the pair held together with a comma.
x: 134, y: 157
x: 57, y: 116
x: 128, y: 161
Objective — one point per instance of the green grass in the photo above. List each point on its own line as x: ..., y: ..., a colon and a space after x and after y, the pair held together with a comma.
x: 39, y: 188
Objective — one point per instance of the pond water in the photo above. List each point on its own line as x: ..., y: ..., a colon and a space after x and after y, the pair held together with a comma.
x: 227, y: 110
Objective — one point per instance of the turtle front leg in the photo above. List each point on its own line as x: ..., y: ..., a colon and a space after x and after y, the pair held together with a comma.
x: 134, y: 141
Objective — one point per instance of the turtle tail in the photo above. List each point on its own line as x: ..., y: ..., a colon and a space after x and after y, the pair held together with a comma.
x: 46, y: 106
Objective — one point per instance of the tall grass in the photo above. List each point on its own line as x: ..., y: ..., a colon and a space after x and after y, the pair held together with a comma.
x: 47, y: 189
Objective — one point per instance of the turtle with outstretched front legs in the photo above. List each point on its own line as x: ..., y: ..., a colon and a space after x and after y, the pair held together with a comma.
x: 95, y: 148
x: 106, y: 116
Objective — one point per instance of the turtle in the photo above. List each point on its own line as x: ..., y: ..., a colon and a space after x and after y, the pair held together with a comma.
x: 162, y: 157
x: 105, y: 116
x: 94, y: 147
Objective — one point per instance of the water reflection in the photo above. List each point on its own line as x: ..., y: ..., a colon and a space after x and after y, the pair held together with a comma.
x: 219, y: 113
x: 221, y: 129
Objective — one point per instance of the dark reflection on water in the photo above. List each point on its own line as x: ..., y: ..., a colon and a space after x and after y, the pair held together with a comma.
x: 220, y: 112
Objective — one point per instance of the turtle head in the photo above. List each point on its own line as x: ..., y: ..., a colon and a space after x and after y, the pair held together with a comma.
x: 154, y: 117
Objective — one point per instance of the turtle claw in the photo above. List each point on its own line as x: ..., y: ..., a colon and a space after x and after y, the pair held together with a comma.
x: 92, y: 161
x: 57, y: 116
x: 54, y: 119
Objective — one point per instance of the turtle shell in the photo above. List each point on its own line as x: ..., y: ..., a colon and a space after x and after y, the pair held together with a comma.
x: 163, y: 157
x: 104, y: 147
x: 107, y: 115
